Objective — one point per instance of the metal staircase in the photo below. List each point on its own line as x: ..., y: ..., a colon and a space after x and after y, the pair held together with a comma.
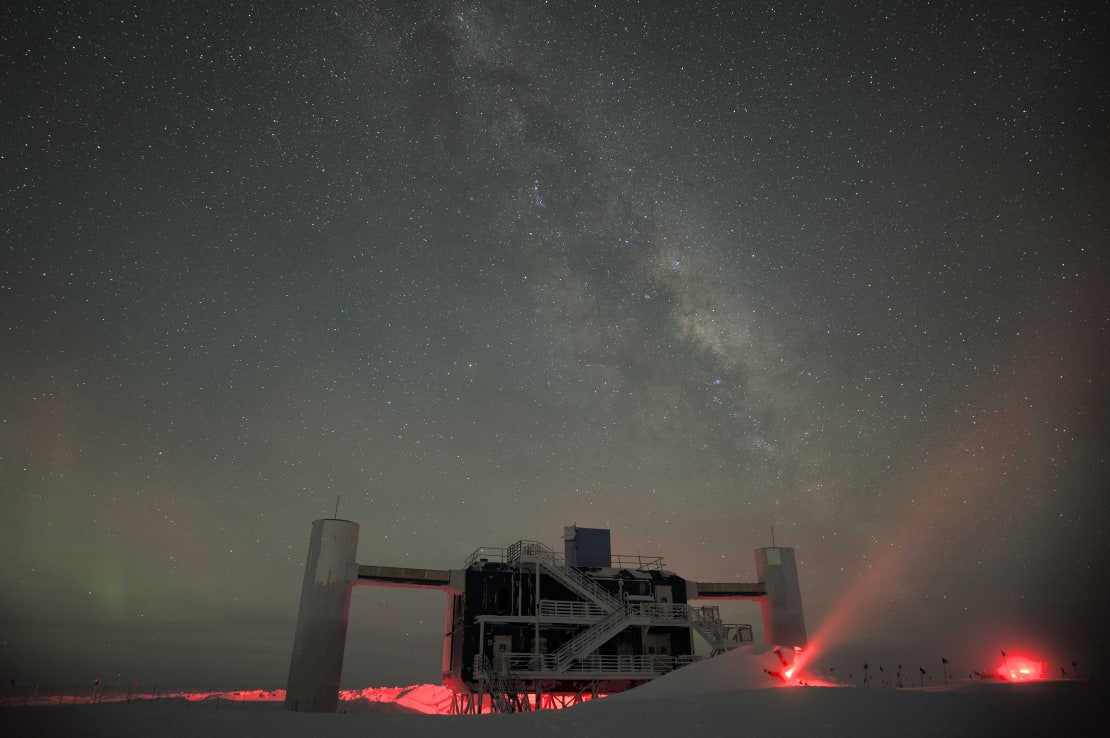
x: 527, y: 552
x: 590, y: 639
x: 705, y: 620
x: 504, y: 689
x: 617, y: 615
x: 720, y: 636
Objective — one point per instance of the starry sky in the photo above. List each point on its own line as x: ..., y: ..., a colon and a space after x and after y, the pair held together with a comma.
x: 479, y: 270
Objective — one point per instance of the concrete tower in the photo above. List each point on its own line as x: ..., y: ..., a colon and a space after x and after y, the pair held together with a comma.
x: 329, y: 574
x: 783, y: 621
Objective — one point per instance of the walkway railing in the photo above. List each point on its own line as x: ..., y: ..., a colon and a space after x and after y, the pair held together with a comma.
x: 640, y: 613
x: 597, y: 664
x: 591, y: 638
x: 720, y: 636
x: 637, y: 562
x: 570, y: 610
x: 534, y: 551
x: 618, y: 561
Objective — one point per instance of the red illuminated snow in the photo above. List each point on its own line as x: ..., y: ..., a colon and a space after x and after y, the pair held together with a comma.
x: 1022, y: 669
x: 726, y: 696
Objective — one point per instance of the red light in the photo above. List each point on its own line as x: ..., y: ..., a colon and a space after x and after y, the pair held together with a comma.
x: 793, y: 672
x: 802, y: 656
x: 1022, y: 669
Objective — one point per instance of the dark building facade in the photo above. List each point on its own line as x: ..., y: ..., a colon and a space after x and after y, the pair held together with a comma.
x: 527, y: 615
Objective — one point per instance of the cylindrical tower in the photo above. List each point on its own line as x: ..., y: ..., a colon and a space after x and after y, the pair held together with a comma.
x: 783, y: 621
x: 329, y: 575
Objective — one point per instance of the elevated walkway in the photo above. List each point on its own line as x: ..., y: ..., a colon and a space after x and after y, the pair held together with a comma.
x: 396, y: 576
x: 578, y: 654
x: 527, y: 666
x: 725, y: 590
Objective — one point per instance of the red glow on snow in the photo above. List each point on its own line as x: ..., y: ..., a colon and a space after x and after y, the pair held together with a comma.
x: 1022, y: 669
x: 429, y: 699
x: 802, y: 656
x: 795, y: 677
x: 793, y: 673
x: 438, y: 699
x: 247, y: 695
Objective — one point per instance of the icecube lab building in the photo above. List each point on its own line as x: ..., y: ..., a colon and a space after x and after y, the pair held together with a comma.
x: 528, y: 627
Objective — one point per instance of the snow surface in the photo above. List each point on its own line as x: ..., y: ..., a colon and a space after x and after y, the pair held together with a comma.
x: 727, y: 696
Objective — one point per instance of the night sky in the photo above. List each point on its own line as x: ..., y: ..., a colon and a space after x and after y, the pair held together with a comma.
x: 479, y: 270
